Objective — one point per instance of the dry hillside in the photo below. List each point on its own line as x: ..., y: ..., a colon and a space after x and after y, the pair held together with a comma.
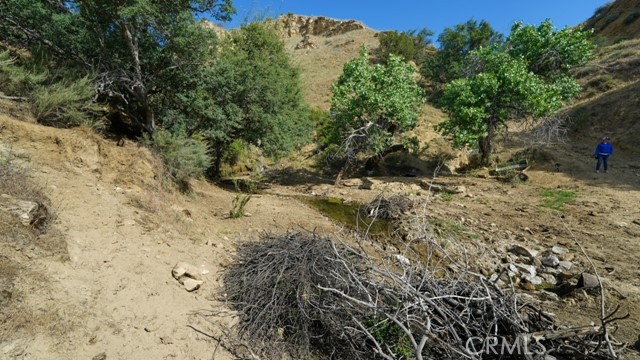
x: 615, y: 21
x: 96, y: 282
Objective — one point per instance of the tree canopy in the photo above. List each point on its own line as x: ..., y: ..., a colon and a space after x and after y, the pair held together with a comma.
x: 525, y: 77
x: 132, y: 46
x: 371, y: 105
x: 454, y: 44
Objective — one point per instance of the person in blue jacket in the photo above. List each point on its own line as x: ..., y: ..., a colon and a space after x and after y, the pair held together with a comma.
x: 603, y: 150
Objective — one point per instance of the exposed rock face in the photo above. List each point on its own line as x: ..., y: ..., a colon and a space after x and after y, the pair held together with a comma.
x: 298, y: 25
x: 27, y: 211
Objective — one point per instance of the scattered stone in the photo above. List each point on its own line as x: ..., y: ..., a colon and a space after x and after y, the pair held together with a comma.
x: 566, y: 274
x: 370, y: 184
x: 610, y: 270
x: 528, y: 269
x: 191, y: 284
x: 101, y: 356
x: 403, y: 260
x: 523, y: 251
x: 549, y: 279
x: 528, y: 230
x: 569, y: 257
x: 565, y: 265
x: 587, y: 280
x: 533, y: 279
x: 559, y: 250
x: 536, y: 262
x: 187, y: 275
x: 550, y: 261
x: 355, y: 182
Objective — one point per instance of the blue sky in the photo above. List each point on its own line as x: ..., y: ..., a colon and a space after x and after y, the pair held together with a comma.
x: 433, y: 14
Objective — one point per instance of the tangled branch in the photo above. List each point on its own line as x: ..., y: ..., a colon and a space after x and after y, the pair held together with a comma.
x: 309, y: 296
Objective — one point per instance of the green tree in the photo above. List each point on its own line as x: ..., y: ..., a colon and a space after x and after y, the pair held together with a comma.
x: 371, y: 105
x: 251, y: 92
x: 528, y: 77
x: 410, y: 45
x: 455, y: 44
x: 132, y: 45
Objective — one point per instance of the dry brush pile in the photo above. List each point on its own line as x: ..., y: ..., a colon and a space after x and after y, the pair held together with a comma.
x: 311, y: 297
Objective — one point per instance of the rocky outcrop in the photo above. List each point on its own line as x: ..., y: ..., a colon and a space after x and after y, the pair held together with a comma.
x: 297, y: 25
x: 28, y: 212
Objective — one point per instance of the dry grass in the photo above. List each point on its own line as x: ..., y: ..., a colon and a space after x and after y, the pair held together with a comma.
x: 320, y: 67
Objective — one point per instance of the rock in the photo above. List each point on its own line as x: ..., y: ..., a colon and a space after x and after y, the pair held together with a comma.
x: 569, y: 257
x: 565, y: 265
x: 550, y: 261
x: 566, y: 274
x: 559, y: 250
x: 370, y: 184
x: 403, y: 260
x: 533, y: 279
x: 101, y: 356
x: 587, y: 280
x: 191, y: 284
x: 523, y: 251
x: 187, y: 275
x: 528, y: 269
x: 351, y: 182
x: 549, y: 279
x: 28, y: 212
x: 536, y: 262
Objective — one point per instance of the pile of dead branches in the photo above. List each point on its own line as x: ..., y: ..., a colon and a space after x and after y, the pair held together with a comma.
x: 308, y: 296
x: 392, y: 207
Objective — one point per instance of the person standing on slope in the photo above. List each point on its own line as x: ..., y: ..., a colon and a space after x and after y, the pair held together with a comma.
x: 603, y: 150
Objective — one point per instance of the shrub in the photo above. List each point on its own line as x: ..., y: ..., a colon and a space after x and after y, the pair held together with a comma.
x: 16, y: 80
x: 66, y: 103
x: 184, y: 157
x: 631, y: 17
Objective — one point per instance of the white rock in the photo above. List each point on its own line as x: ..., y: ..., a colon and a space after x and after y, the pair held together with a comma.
x: 533, y: 280
x: 550, y: 261
x: 565, y: 265
x: 523, y: 251
x: 559, y: 250
x: 529, y: 269
x: 191, y: 284
x: 403, y: 260
x: 188, y: 276
x: 26, y: 211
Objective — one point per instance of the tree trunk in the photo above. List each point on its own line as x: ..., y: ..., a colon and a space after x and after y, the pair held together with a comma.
x: 485, y: 149
x: 139, y: 88
x: 485, y: 143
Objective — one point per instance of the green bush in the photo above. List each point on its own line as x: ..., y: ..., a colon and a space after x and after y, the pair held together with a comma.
x: 184, y: 157
x: 66, y: 103
x: 16, y: 80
